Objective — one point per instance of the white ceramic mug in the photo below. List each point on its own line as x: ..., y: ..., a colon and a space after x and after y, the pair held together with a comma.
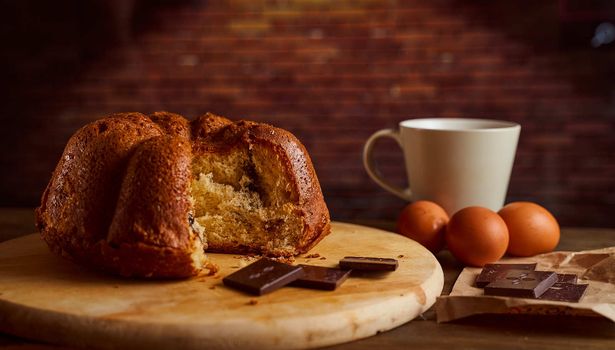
x: 454, y: 162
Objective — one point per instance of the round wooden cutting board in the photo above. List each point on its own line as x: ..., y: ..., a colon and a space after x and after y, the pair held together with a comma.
x: 48, y: 298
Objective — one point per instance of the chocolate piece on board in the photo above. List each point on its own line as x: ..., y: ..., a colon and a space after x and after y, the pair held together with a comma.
x: 263, y: 276
x: 566, y: 278
x: 491, y: 272
x: 567, y: 292
x: 522, y: 284
x: 368, y: 264
x: 319, y: 277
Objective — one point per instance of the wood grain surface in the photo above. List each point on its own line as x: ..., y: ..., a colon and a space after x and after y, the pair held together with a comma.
x: 48, y: 298
x: 480, y: 332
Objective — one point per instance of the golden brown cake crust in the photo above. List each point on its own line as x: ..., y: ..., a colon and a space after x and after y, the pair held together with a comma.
x: 118, y: 199
x: 298, y: 163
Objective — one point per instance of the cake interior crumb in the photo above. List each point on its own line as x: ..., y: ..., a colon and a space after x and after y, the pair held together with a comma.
x: 243, y: 198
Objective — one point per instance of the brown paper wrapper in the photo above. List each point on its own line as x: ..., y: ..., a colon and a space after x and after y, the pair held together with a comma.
x: 593, y: 267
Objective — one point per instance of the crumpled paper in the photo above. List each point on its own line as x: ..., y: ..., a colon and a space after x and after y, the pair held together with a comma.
x: 593, y: 267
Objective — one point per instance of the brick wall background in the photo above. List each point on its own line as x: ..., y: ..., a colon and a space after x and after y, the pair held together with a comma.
x: 332, y: 72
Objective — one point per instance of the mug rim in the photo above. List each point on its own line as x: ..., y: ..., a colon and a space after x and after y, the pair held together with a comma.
x: 474, y: 124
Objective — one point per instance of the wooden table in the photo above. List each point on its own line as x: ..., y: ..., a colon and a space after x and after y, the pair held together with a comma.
x: 477, y: 332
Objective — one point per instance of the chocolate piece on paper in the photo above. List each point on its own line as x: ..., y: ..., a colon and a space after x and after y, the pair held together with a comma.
x: 522, y: 284
x: 566, y: 278
x: 319, y: 277
x: 491, y: 272
x: 368, y: 263
x: 263, y: 276
x: 567, y: 292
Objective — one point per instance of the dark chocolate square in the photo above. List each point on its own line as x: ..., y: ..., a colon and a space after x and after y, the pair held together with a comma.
x: 263, y: 276
x: 522, y: 284
x: 368, y: 263
x: 568, y: 292
x: 319, y: 277
x: 566, y: 278
x: 491, y: 272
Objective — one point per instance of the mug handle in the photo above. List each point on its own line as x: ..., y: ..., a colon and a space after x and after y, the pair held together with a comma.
x: 368, y: 163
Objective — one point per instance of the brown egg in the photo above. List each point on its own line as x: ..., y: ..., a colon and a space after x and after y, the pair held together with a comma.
x: 476, y: 236
x: 424, y: 222
x: 532, y: 229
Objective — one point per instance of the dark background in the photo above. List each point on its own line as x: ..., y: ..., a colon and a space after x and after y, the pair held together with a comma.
x: 332, y: 72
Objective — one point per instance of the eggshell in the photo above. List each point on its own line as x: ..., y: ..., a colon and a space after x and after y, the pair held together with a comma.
x: 532, y: 229
x: 424, y: 222
x: 477, y: 236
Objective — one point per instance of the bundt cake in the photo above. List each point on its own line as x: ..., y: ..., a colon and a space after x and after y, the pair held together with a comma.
x: 146, y: 196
